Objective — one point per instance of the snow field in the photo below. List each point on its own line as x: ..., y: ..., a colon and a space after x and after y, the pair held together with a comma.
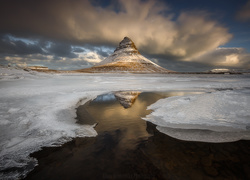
x: 220, y: 116
x: 38, y: 109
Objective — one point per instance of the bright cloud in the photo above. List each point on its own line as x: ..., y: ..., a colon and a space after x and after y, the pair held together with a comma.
x: 82, y: 60
x: 226, y: 57
x: 91, y: 57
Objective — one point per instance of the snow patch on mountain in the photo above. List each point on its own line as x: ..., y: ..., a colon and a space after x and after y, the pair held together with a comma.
x: 127, y: 58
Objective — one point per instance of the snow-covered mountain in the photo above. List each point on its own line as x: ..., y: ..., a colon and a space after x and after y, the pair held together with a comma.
x: 127, y: 58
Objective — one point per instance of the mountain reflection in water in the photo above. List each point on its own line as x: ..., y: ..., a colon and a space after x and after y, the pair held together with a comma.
x: 128, y: 147
x: 107, y: 111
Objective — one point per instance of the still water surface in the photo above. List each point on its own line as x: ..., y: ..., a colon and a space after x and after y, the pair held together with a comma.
x: 128, y: 147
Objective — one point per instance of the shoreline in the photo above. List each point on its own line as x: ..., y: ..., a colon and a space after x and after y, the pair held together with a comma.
x: 83, y: 71
x: 155, y: 156
x: 51, y: 100
x: 181, y: 159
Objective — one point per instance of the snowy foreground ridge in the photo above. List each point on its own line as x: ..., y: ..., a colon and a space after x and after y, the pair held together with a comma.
x: 38, y: 110
x: 220, y: 116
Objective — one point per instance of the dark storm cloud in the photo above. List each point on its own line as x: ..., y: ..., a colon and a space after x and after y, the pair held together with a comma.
x: 78, y: 50
x: 54, y: 54
x: 61, y: 50
x: 10, y: 46
x: 102, y: 52
x: 44, y: 60
x: 185, y: 66
x: 171, y: 63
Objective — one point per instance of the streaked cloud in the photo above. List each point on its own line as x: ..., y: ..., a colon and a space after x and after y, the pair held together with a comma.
x: 47, y: 60
x: 61, y: 50
x: 244, y: 13
x: 56, y: 55
x: 12, y: 46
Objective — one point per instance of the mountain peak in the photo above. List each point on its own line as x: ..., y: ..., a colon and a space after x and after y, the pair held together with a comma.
x: 126, y: 58
x: 128, y: 45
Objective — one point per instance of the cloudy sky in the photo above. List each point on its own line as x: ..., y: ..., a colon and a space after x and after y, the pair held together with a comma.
x: 179, y: 35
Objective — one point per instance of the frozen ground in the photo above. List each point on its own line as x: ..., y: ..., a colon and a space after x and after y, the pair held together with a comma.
x: 220, y: 116
x: 38, y: 109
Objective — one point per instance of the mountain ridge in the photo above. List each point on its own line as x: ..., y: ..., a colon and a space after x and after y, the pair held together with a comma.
x: 127, y: 58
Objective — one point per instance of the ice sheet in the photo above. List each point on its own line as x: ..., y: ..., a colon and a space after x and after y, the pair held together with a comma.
x: 220, y: 116
x: 204, y: 135
x: 38, y: 109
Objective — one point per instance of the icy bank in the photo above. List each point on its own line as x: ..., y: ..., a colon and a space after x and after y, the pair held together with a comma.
x: 220, y: 116
x: 38, y: 110
x: 34, y: 118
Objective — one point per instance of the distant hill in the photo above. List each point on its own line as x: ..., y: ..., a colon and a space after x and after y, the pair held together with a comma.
x: 227, y: 71
x: 126, y: 58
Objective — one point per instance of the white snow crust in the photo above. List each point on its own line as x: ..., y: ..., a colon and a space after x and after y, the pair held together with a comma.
x: 219, y: 116
x: 123, y: 55
x: 38, y: 110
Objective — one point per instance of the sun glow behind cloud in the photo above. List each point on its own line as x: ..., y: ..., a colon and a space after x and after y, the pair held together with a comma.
x: 226, y: 57
x: 232, y: 59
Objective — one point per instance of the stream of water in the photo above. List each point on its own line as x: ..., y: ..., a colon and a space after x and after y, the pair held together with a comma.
x: 128, y: 147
